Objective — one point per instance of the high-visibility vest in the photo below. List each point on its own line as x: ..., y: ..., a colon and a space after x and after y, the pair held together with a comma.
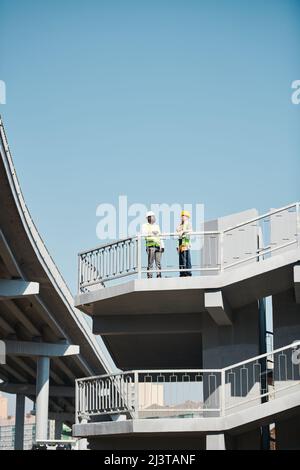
x: 151, y: 239
x: 184, y: 237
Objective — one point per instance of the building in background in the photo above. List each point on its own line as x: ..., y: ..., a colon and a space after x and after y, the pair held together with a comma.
x: 3, y: 407
x: 7, y: 431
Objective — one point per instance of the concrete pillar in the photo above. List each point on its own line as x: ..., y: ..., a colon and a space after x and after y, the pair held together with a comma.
x: 215, y: 441
x: 227, y: 345
x: 83, y: 443
x: 58, y: 429
x: 19, y: 428
x: 42, y: 397
x: 286, y: 325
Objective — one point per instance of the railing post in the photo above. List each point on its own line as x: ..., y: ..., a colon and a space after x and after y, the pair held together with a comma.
x: 223, y: 393
x: 139, y: 255
x: 76, y: 402
x: 79, y: 273
x: 221, y: 246
x: 298, y: 222
x: 136, y: 395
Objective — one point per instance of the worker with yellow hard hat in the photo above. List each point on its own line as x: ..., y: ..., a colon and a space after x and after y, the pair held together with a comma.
x: 184, y: 244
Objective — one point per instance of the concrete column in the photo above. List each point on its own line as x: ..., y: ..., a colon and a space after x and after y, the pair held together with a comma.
x: 83, y: 443
x: 58, y: 429
x: 215, y: 441
x: 19, y: 428
x: 286, y: 324
x: 42, y: 397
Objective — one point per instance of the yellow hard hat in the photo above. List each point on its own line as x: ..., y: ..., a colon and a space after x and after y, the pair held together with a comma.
x: 186, y: 213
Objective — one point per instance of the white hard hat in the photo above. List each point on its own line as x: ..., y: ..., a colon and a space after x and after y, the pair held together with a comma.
x: 150, y: 214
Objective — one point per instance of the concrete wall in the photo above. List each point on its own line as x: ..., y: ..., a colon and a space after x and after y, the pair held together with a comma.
x: 159, y: 442
x: 238, y: 244
x: 249, y: 440
x: 225, y: 345
x: 286, y: 318
x: 288, y: 434
x: 286, y: 325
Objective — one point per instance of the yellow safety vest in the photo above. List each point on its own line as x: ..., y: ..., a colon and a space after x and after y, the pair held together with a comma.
x: 184, y: 239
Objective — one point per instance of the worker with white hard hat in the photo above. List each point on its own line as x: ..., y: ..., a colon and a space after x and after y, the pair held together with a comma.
x: 154, y: 244
x: 184, y: 246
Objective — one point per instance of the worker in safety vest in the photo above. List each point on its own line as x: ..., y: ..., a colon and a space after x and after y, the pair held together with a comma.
x: 184, y: 246
x: 154, y: 244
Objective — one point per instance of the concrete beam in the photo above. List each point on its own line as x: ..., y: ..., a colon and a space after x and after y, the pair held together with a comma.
x: 59, y: 416
x: 215, y: 441
x: 30, y: 390
x: 218, y: 308
x: 62, y: 416
x: 15, y: 288
x: 29, y: 348
x: 108, y: 325
x: 8, y: 257
x: 297, y: 283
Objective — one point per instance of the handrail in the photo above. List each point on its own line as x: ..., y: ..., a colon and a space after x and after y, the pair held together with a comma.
x: 161, y: 393
x: 141, y: 235
x: 105, y: 245
x: 191, y: 371
x: 203, y: 232
x: 120, y: 258
x: 261, y: 356
x: 255, y: 219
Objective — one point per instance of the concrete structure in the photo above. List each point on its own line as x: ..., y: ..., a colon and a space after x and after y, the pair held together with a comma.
x: 194, y: 371
x: 48, y: 342
x: 208, y: 329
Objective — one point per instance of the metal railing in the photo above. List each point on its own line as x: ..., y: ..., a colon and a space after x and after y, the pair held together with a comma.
x: 190, y: 393
x: 212, y: 251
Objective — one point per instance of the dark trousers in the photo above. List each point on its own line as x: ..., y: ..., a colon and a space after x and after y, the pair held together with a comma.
x: 185, y: 263
x: 154, y: 254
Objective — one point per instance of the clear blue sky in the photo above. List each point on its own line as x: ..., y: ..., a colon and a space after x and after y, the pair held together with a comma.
x: 103, y: 94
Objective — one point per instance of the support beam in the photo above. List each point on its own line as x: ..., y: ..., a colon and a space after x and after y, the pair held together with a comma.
x: 62, y: 416
x: 218, y: 308
x: 19, y: 316
x: 215, y: 441
x: 15, y: 288
x: 8, y: 257
x: 30, y: 348
x: 297, y: 283
x: 6, y: 327
x: 42, y: 397
x: 8, y: 369
x: 19, y: 428
x: 30, y: 390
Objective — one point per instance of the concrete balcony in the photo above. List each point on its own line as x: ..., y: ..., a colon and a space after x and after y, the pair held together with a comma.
x: 142, y: 408
x: 239, y: 259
